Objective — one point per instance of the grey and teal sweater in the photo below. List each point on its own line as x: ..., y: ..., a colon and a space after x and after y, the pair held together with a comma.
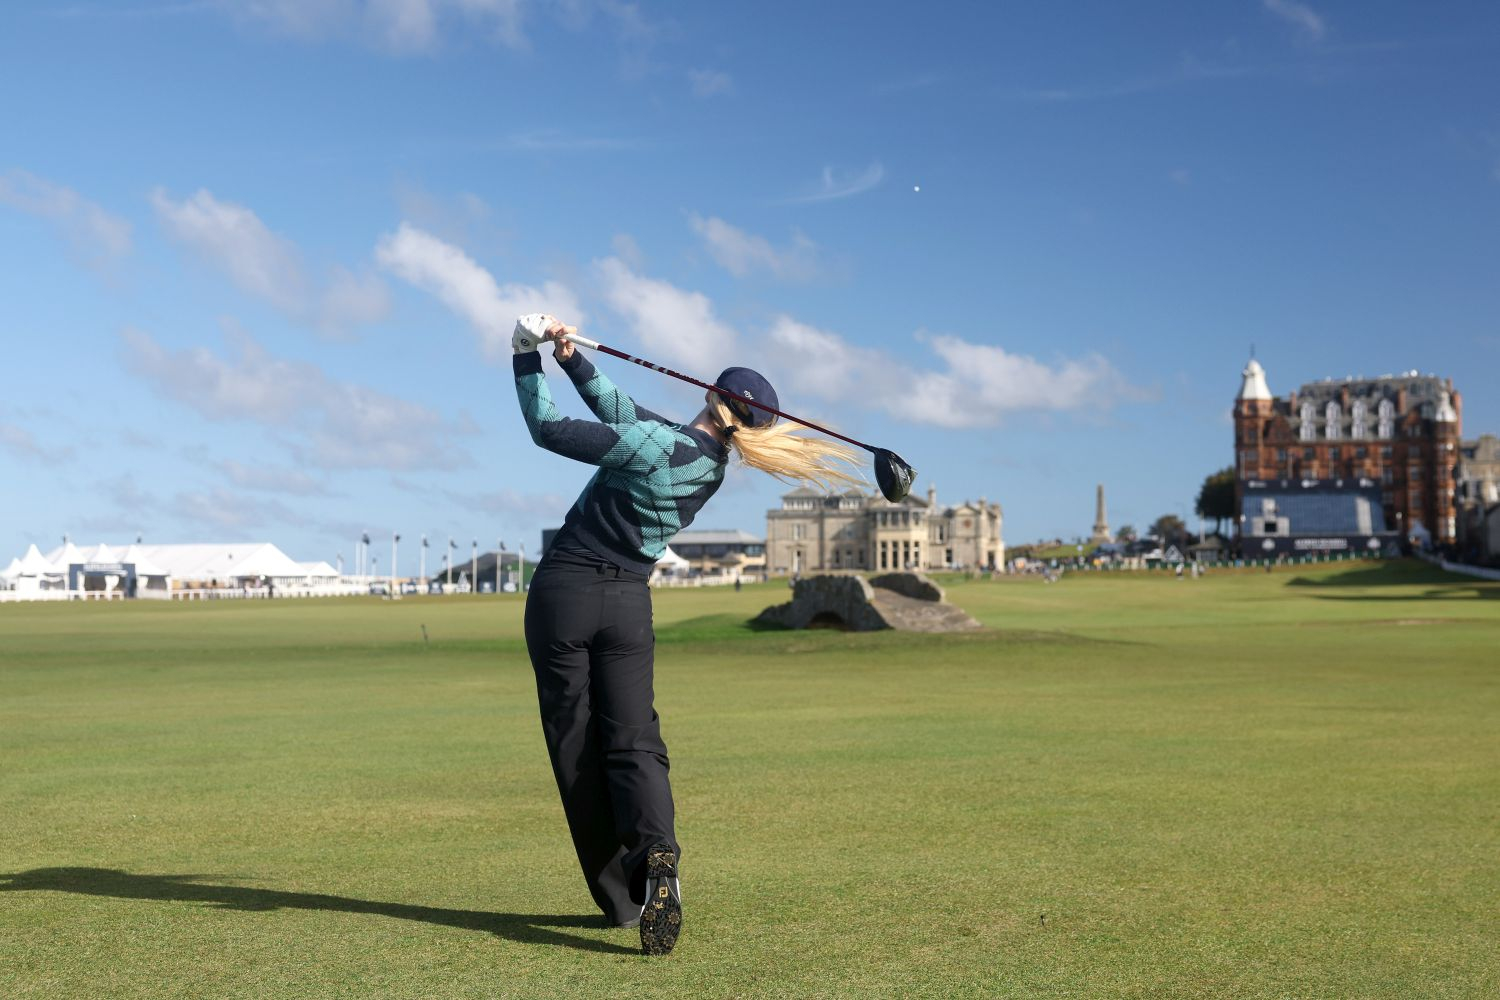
x: 653, y: 476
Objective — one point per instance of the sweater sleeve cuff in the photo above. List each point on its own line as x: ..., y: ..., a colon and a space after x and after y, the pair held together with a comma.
x: 578, y: 368
x: 529, y: 363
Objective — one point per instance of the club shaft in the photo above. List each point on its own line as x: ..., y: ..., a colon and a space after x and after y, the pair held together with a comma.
x: 595, y: 345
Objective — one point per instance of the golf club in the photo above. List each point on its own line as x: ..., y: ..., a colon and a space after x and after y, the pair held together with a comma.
x: 892, y: 473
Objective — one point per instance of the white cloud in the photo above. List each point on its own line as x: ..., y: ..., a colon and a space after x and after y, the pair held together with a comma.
x: 335, y: 424
x: 443, y: 270
x: 835, y: 184
x: 710, y: 82
x: 977, y: 385
x: 1308, y: 22
x: 95, y: 235
x: 268, y: 266
x: 402, y: 27
x: 741, y: 253
x: 672, y: 324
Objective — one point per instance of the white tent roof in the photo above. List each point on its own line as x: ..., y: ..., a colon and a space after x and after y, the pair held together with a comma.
x: 33, y: 563
x: 671, y: 560
x: 143, y: 564
x: 11, y: 571
x: 101, y: 554
x: 64, y: 557
x: 318, y: 569
x: 215, y: 561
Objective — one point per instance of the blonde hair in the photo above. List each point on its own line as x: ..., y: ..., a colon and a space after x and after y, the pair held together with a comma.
x: 788, y: 455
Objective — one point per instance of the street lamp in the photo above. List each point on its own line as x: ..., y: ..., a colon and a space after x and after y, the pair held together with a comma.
x: 395, y: 538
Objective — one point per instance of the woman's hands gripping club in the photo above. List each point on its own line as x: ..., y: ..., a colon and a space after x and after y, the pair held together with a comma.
x: 533, y: 328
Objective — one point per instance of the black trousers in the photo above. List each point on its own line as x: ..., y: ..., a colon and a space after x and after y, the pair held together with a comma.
x: 588, y: 630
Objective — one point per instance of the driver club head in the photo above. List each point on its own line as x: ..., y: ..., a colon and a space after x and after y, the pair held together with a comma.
x: 893, y: 475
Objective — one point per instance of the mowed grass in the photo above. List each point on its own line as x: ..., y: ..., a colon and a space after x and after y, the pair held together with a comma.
x: 1250, y: 785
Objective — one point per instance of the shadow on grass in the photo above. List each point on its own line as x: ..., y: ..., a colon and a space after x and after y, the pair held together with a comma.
x: 1440, y: 585
x: 525, y: 928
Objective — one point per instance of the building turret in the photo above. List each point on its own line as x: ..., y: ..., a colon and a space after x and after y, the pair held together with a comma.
x: 1254, y: 384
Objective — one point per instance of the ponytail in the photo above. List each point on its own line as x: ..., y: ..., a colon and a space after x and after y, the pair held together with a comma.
x: 787, y: 455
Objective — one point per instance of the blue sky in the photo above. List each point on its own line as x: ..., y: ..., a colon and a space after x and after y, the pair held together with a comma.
x: 259, y: 259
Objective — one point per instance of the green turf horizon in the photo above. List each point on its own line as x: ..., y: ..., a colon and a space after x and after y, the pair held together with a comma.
x: 1248, y: 785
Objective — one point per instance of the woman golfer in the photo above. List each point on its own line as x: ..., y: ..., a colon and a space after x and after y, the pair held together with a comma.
x: 588, y: 612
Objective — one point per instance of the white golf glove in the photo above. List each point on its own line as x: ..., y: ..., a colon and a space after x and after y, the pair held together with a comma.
x: 530, y: 330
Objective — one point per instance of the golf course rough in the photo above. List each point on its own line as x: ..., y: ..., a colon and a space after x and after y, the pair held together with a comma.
x: 1126, y: 785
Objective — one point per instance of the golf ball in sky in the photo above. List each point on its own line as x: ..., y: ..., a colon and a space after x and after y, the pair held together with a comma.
x: 916, y: 187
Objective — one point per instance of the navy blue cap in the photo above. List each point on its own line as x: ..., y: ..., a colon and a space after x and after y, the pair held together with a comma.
x: 751, y: 385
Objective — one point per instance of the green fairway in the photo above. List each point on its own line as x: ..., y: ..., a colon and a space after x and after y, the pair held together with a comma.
x: 1249, y: 785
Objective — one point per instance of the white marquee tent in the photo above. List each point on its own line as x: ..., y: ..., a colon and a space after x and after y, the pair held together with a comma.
x: 162, y: 571
x: 203, y: 563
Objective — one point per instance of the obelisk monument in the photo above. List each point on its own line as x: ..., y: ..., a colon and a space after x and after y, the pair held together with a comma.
x: 1101, y: 523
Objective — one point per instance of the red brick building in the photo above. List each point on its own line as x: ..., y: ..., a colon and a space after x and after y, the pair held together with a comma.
x: 1398, y: 431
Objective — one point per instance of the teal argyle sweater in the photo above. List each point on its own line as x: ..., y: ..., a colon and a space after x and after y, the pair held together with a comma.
x: 654, y: 475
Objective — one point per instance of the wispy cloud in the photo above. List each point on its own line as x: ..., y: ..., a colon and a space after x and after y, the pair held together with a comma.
x: 332, y: 424
x: 128, y: 10
x: 672, y: 323
x: 20, y: 443
x: 97, y: 237
x: 710, y: 82
x: 401, y: 27
x: 1308, y: 23
x: 742, y: 254
x: 976, y: 385
x: 836, y: 183
x: 421, y: 27
x: 508, y: 502
x: 490, y: 308
x: 272, y: 479
x: 221, y: 509
x: 268, y: 266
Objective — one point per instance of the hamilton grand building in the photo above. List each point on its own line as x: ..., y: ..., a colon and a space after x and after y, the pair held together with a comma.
x: 858, y: 531
x: 1365, y: 460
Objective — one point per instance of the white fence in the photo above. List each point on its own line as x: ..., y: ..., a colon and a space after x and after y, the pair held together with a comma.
x: 204, y: 594
x: 1464, y: 568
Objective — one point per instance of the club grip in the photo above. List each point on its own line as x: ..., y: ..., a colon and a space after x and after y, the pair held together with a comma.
x: 582, y: 341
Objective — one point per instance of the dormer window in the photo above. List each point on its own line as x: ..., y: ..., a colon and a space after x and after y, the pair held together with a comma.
x: 1358, y: 415
x: 1385, y: 416
x: 1309, y: 432
x: 1332, y: 428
